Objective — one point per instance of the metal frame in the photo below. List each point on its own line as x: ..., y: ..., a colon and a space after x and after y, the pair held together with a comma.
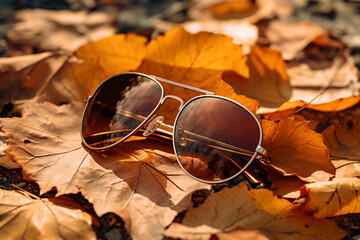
x: 258, y: 152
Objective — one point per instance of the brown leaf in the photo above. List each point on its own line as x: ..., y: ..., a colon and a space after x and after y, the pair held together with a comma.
x: 257, y: 209
x: 344, y: 145
x: 268, y: 73
x: 65, y: 30
x: 196, y: 60
x: 100, y: 60
x: 289, y: 108
x: 140, y: 181
x: 291, y: 38
x: 284, y: 186
x: 245, y: 11
x: 295, y: 149
x: 23, y: 217
x: 333, y: 198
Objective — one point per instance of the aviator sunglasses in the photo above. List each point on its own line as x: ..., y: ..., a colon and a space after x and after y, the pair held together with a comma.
x: 214, y: 138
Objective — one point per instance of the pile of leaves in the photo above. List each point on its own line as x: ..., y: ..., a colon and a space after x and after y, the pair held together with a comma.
x: 314, y: 168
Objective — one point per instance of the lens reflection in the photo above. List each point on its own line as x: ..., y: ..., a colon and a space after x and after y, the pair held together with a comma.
x: 119, y: 106
x: 215, y: 138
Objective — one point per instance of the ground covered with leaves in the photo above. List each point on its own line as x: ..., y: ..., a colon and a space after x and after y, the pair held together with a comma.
x: 295, y: 64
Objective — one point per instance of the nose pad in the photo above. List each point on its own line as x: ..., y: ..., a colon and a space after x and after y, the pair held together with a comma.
x: 181, y: 137
x: 153, y: 125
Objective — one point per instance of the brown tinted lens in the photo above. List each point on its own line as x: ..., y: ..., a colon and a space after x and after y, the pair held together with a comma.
x: 118, y: 107
x: 215, y: 138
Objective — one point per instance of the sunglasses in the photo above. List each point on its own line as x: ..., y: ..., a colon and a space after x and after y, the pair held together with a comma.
x: 214, y: 138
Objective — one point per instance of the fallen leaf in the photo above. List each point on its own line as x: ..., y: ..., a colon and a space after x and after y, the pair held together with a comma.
x: 242, y: 11
x: 258, y: 209
x: 41, y: 218
x: 195, y: 60
x: 63, y: 30
x: 100, y: 60
x: 284, y: 186
x: 291, y: 38
x: 241, y: 33
x: 295, y: 149
x: 268, y: 73
x: 290, y: 108
x: 343, y: 143
x: 140, y: 180
x: 333, y: 198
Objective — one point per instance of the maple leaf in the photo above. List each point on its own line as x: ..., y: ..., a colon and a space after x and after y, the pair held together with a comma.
x: 23, y: 217
x: 266, y: 72
x: 73, y: 29
x: 140, y: 180
x: 195, y: 60
x: 295, y: 149
x: 290, y: 108
x: 333, y: 198
x: 344, y: 146
x: 259, y: 209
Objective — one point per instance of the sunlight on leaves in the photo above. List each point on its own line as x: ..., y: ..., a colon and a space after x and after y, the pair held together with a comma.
x: 257, y: 209
x: 24, y: 217
x: 295, y: 149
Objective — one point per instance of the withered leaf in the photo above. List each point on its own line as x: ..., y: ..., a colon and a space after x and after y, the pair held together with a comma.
x: 289, y: 39
x: 196, y: 60
x: 344, y: 146
x: 97, y: 61
x: 333, y: 198
x: 23, y: 217
x: 295, y: 149
x: 266, y: 72
x: 63, y: 30
x: 289, y: 108
x: 140, y: 181
x: 257, y: 209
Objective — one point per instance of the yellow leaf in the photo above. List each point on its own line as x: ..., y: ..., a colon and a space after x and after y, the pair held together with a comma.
x: 333, y: 198
x: 275, y: 218
x: 25, y: 218
x: 295, y: 149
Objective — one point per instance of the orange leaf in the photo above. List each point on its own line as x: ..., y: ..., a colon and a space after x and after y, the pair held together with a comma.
x: 295, y: 149
x: 289, y: 108
x: 344, y: 146
x: 233, y: 208
x: 268, y: 81
x: 21, y: 216
x: 333, y: 198
x: 140, y: 180
x: 196, y: 60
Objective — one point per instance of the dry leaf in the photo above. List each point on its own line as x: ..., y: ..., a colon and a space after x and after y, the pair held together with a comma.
x: 291, y: 38
x: 268, y: 81
x: 286, y: 187
x: 140, y: 181
x: 257, y: 209
x: 295, y: 149
x: 100, y: 60
x: 344, y: 145
x: 289, y: 108
x: 65, y: 30
x: 241, y: 33
x: 196, y: 60
x: 333, y: 198
x: 25, y: 218
x: 242, y: 11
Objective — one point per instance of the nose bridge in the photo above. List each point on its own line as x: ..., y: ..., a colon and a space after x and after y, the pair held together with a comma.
x: 173, y: 97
